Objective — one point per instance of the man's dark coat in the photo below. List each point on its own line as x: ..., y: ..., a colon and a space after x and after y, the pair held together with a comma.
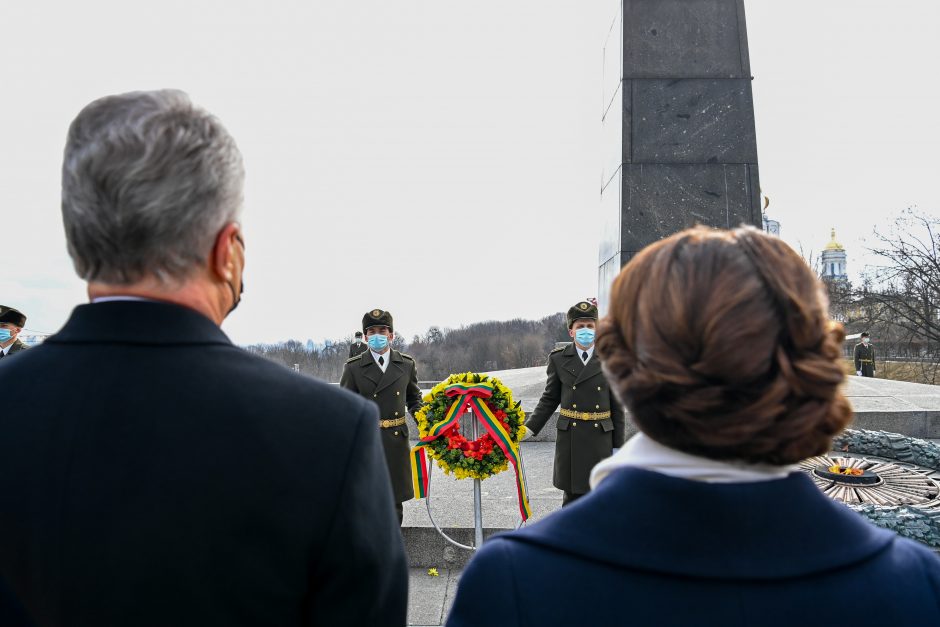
x: 153, y: 474
x: 646, y: 549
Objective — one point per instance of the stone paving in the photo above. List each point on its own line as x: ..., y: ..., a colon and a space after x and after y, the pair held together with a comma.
x: 430, y: 597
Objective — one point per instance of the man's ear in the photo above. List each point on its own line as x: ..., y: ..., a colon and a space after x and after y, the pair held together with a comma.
x: 225, y: 253
x: 570, y: 332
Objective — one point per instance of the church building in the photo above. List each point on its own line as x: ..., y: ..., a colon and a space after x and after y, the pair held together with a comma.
x: 833, y: 261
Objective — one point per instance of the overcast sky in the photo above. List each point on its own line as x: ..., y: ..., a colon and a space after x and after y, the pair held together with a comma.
x: 401, y: 153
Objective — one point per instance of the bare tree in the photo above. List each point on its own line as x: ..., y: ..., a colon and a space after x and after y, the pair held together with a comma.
x: 902, y: 292
x: 811, y: 259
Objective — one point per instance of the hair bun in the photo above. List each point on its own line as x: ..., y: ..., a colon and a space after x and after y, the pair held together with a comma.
x: 719, y: 344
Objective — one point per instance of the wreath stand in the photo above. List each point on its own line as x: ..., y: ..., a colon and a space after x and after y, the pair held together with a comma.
x: 477, y: 497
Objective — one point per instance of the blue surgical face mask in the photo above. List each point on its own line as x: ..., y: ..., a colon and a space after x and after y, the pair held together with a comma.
x: 584, y: 336
x: 5, y: 335
x: 378, y: 342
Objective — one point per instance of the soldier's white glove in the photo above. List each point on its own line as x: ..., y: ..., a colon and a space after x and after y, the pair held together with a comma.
x: 528, y: 435
x: 858, y: 372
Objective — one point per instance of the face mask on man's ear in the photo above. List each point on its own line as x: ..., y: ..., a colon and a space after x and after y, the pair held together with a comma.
x: 241, y: 289
x: 236, y: 299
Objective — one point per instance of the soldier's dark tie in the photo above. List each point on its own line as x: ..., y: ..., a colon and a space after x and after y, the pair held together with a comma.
x: 381, y: 361
x: 584, y: 356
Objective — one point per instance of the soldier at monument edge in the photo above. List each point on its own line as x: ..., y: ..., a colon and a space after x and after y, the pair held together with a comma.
x: 865, y: 357
x: 389, y: 379
x: 358, y: 346
x: 591, y: 423
x: 12, y: 322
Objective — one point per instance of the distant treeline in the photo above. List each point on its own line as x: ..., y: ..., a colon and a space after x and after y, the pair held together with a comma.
x: 478, y: 347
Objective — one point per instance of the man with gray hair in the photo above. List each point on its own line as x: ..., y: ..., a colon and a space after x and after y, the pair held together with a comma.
x: 153, y: 473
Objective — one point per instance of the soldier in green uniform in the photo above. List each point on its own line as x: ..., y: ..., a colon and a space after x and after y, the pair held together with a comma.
x: 359, y: 346
x: 591, y: 421
x: 12, y: 322
x: 390, y: 379
x: 865, y: 357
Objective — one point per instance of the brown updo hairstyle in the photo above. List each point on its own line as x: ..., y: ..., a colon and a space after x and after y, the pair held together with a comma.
x: 719, y: 344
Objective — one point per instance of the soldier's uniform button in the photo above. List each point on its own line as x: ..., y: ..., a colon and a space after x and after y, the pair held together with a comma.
x: 375, y: 396
x: 396, y: 413
x: 574, y: 406
x: 598, y: 388
x: 574, y: 424
x: 595, y: 425
x: 399, y: 393
x: 396, y: 433
x: 597, y: 407
x: 574, y: 387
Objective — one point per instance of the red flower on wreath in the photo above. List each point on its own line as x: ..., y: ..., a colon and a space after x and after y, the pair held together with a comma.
x: 476, y: 449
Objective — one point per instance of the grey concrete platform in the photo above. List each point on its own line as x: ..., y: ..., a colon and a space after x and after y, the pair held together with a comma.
x: 912, y: 409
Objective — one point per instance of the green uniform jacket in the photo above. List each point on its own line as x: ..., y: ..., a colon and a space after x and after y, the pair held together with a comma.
x: 865, y: 360
x: 357, y: 348
x: 16, y: 346
x: 396, y: 393
x: 580, y: 443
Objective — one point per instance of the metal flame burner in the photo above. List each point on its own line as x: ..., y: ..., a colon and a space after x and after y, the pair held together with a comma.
x: 866, y: 477
x: 882, y: 482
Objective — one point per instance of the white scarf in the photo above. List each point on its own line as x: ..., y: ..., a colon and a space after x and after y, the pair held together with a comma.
x: 642, y: 451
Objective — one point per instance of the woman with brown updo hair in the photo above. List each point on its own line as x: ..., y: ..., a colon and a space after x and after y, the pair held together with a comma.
x: 719, y: 345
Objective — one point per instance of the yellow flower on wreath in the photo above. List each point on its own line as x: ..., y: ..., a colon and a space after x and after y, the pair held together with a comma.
x: 464, y: 473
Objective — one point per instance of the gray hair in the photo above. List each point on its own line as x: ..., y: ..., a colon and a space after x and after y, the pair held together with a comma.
x: 148, y: 181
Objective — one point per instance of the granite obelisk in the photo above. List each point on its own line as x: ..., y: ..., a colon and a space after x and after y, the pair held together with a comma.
x: 678, y: 125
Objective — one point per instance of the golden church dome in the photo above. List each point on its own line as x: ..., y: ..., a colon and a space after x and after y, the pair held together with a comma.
x: 833, y: 244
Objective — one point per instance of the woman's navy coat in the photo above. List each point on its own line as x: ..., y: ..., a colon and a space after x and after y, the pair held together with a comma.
x: 648, y: 549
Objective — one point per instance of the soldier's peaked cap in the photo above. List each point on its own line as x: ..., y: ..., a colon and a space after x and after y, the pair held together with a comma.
x: 581, y: 310
x: 12, y: 316
x: 377, y: 318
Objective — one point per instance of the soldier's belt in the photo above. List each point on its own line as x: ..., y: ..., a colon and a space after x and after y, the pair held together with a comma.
x: 865, y: 361
x: 396, y: 422
x: 584, y: 415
